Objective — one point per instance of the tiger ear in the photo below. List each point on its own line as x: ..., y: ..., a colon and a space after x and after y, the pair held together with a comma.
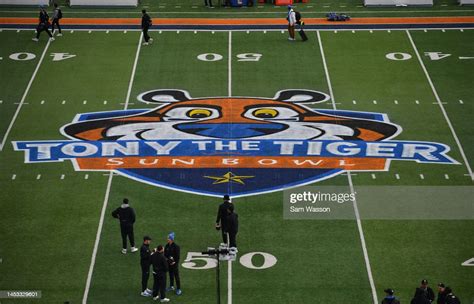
x: 301, y: 96
x: 164, y: 96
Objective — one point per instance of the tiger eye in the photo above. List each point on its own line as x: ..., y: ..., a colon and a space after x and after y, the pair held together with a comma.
x: 199, y: 113
x: 265, y: 113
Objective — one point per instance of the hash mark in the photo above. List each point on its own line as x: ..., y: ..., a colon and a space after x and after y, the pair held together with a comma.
x: 375, y: 101
x: 461, y: 30
x: 395, y: 101
x: 417, y: 101
x: 397, y: 176
x: 63, y: 176
x: 13, y: 176
x: 42, y: 102
x: 177, y: 32
x: 371, y: 31
x: 90, y: 32
x: 373, y: 176
x: 425, y: 30
x: 353, y: 32
x: 248, y: 32
x: 461, y: 102
x: 84, y: 102
x: 443, y: 30
x: 422, y: 176
x: 335, y: 32
x: 159, y: 32
x: 107, y: 31
x: 446, y: 176
x: 105, y: 101
x: 86, y: 176
x: 38, y: 176
x: 1, y: 101
x: 64, y: 102
x: 124, y: 32
x: 354, y: 102
x: 282, y: 32
x: 195, y: 32
x: 388, y: 31
x: 72, y: 31
x: 17, y: 31
x: 264, y: 32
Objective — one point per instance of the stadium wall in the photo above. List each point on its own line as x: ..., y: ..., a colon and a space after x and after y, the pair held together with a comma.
x: 24, y: 2
x: 103, y: 2
x: 399, y: 2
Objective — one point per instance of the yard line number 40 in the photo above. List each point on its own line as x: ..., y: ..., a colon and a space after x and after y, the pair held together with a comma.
x: 207, y: 262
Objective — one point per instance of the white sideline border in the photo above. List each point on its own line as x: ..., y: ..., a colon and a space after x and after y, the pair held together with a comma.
x: 109, y: 186
x: 351, y: 187
x: 441, y: 106
x: 23, y: 98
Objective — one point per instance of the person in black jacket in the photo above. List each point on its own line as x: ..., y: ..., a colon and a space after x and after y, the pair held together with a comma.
x: 423, y: 294
x: 172, y: 253
x: 160, y: 267
x: 145, y: 263
x: 221, y: 221
x: 43, y: 25
x: 232, y: 226
x: 126, y: 215
x: 146, y: 24
x: 441, y: 299
x: 451, y: 298
x: 57, y: 15
x: 390, y: 298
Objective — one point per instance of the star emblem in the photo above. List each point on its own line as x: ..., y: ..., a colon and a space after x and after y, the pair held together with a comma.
x: 229, y: 177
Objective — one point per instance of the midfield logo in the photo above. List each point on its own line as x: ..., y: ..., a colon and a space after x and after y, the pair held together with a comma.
x: 238, y: 145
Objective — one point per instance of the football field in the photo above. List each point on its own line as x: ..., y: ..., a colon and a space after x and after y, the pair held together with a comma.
x: 57, y: 234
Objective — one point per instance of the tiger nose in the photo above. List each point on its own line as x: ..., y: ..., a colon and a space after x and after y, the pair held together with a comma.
x: 231, y: 130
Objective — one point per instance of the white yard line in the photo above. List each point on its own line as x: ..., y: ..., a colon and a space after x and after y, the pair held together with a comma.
x: 127, y: 100
x: 97, y: 239
x: 229, y: 283
x: 443, y: 110
x: 351, y: 186
x: 22, y: 101
x: 109, y: 185
x: 229, y: 66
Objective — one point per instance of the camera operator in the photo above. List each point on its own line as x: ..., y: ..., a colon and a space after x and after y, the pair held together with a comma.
x: 160, y: 267
x: 172, y: 252
x: 221, y: 221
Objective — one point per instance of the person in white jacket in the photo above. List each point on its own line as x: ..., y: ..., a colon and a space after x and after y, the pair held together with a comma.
x: 291, y: 23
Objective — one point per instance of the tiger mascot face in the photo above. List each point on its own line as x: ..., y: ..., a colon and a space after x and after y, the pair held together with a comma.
x: 178, y: 116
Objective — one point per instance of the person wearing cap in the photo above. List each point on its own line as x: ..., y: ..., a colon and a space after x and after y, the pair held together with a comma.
x: 451, y: 298
x: 126, y: 215
x: 389, y: 297
x: 291, y: 23
x: 160, y: 268
x: 221, y: 220
x: 441, y: 299
x: 145, y: 263
x: 232, y: 226
x: 43, y: 25
x: 172, y: 253
x: 423, y: 294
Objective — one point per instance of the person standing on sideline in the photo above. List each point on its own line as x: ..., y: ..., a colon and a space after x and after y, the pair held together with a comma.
x: 43, y: 25
x: 291, y: 23
x: 451, y: 298
x: 221, y: 221
x: 172, y: 253
x: 208, y: 3
x: 232, y: 226
x: 126, y: 215
x: 57, y: 15
x: 145, y: 263
x: 427, y: 292
x: 146, y: 24
x: 160, y: 267
x: 390, y: 298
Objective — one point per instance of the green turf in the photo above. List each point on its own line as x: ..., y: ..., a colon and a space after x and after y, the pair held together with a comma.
x: 48, y: 226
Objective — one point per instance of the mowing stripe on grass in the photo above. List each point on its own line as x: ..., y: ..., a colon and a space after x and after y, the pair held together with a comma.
x: 109, y: 185
x: 440, y: 103
x: 22, y: 101
x: 351, y: 186
x: 229, y: 92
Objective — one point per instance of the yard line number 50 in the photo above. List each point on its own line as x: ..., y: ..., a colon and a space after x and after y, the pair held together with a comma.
x: 207, y: 262
x: 240, y: 57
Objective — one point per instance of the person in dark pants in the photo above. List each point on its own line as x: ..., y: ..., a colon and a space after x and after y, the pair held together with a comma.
x: 57, y: 15
x: 43, y: 25
x: 389, y: 297
x: 145, y: 263
x: 232, y: 226
x: 160, y: 267
x: 172, y: 253
x: 221, y: 221
x: 208, y: 3
x: 146, y: 24
x: 126, y: 215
